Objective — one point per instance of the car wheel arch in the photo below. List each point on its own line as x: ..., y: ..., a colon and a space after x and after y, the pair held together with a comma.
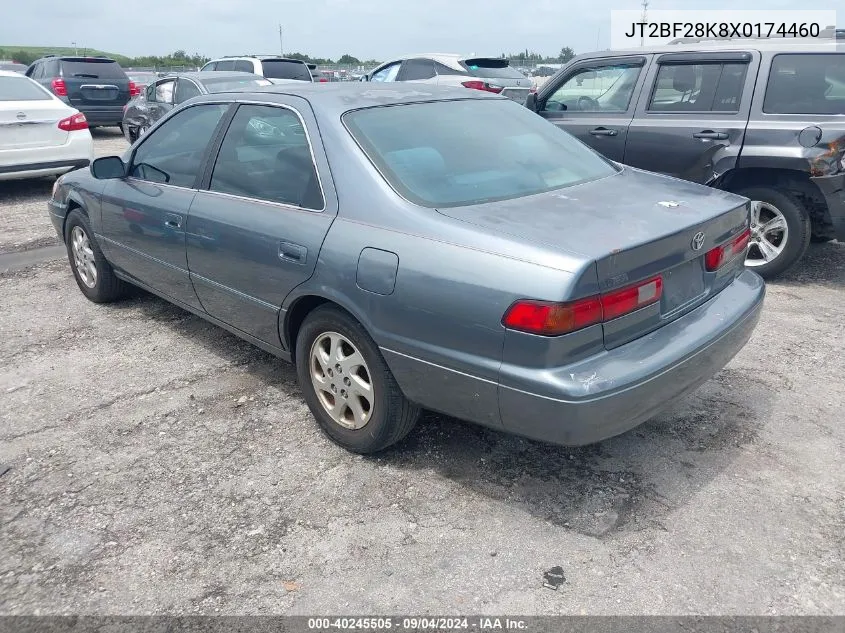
x: 73, y: 204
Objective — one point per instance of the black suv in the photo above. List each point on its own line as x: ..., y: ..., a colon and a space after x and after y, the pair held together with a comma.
x: 96, y: 86
x: 761, y: 118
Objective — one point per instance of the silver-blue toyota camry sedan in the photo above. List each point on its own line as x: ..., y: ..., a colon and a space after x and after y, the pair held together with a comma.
x: 413, y: 247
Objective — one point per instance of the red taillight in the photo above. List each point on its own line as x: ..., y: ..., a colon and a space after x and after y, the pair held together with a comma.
x: 134, y: 90
x: 554, y: 319
x: 482, y: 85
x: 620, y: 302
x: 58, y: 86
x: 717, y: 257
x: 74, y: 123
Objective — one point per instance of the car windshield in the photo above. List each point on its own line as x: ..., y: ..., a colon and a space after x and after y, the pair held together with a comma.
x: 455, y: 153
x: 228, y: 84
x: 92, y: 69
x: 286, y: 69
x: 806, y: 84
x: 21, y: 89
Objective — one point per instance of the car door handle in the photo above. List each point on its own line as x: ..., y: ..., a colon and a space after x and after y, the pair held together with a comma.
x: 710, y: 134
x: 172, y: 221
x: 603, y: 131
x: 291, y: 252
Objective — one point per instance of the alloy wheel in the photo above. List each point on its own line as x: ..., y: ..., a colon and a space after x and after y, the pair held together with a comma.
x: 769, y: 233
x: 342, y: 380
x: 83, y: 257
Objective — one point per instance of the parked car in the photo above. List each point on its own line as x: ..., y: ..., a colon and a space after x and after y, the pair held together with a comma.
x: 96, y: 86
x: 141, y: 79
x: 164, y: 94
x: 13, y: 66
x: 480, y: 73
x: 269, y: 66
x: 39, y: 134
x: 466, y: 257
x: 761, y: 118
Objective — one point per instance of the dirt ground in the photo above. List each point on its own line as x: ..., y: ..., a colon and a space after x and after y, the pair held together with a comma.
x: 161, y: 465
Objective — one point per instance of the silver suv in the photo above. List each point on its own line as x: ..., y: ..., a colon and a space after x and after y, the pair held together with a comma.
x: 268, y: 66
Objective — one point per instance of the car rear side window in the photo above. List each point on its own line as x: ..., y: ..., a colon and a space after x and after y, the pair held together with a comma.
x: 22, y: 89
x: 443, y: 69
x: 266, y: 155
x: 173, y: 153
x: 454, y: 153
x: 244, y: 66
x: 92, y: 69
x: 706, y: 87
x: 812, y: 83
x: 286, y: 69
x: 416, y: 70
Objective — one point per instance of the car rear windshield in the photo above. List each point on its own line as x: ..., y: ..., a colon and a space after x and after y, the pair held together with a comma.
x: 454, y: 153
x: 809, y: 83
x: 493, y: 68
x: 285, y: 69
x: 228, y: 84
x: 21, y: 89
x: 92, y: 69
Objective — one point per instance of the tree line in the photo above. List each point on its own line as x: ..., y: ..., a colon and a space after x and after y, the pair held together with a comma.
x: 182, y: 58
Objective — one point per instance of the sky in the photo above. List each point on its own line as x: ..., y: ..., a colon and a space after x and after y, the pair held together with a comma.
x: 367, y: 29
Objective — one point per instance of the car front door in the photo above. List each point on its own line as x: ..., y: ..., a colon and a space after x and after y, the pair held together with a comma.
x: 144, y: 214
x: 595, y: 100
x: 690, y: 122
x: 256, y: 228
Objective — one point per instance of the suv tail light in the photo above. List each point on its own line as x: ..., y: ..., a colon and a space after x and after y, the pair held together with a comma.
x: 717, y: 257
x: 553, y: 319
x: 74, y: 123
x: 134, y: 90
x: 482, y: 85
x: 58, y: 86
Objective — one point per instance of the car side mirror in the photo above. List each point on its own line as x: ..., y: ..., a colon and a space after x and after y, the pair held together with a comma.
x: 108, y: 167
x: 531, y: 101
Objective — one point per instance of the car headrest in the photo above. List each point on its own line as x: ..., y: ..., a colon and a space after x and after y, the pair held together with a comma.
x: 415, y: 160
x: 683, y: 79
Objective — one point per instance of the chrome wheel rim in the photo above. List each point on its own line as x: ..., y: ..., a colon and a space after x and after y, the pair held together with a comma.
x: 83, y: 257
x: 341, y: 380
x: 769, y: 233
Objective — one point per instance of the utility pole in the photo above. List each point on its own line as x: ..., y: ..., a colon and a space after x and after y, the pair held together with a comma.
x: 75, y: 50
x: 643, y: 20
x: 281, y: 44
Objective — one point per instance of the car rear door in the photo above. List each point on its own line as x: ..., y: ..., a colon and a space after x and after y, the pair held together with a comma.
x: 691, y: 121
x: 256, y: 227
x: 595, y: 101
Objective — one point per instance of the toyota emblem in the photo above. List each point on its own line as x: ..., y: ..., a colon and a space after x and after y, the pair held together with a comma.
x: 20, y: 116
x: 698, y: 241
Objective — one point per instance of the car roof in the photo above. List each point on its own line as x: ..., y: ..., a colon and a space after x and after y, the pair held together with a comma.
x: 202, y: 75
x: 447, y: 59
x: 779, y: 45
x: 335, y: 98
x: 263, y: 58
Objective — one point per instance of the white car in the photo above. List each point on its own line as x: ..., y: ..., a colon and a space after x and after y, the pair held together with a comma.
x: 268, y: 66
x: 39, y: 134
x: 491, y: 74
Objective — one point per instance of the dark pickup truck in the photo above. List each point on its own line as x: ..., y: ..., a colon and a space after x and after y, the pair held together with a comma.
x: 761, y: 118
x: 96, y: 86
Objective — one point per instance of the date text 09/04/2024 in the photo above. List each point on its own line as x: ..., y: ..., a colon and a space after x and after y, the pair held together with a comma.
x: 722, y: 29
x: 417, y: 624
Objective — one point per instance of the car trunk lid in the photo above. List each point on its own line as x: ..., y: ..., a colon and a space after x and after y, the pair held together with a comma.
x: 499, y: 73
x: 26, y: 124
x: 634, y: 226
x: 94, y: 82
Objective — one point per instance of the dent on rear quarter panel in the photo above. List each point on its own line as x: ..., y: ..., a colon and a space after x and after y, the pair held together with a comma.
x: 440, y: 328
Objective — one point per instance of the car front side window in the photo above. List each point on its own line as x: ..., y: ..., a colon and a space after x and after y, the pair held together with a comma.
x: 388, y: 73
x: 266, y: 155
x: 173, y: 153
x: 606, y: 88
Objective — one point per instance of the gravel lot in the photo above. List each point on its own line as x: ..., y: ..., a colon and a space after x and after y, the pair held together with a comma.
x: 159, y: 464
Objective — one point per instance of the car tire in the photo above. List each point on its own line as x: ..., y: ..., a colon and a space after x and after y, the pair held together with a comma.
x: 771, y: 253
x: 93, y: 273
x: 336, y: 360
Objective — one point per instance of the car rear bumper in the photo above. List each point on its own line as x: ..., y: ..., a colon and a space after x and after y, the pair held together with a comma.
x: 833, y: 189
x: 33, y: 162
x: 102, y: 115
x: 617, y: 390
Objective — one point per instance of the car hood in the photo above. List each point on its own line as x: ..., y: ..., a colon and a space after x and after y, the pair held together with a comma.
x: 618, y: 213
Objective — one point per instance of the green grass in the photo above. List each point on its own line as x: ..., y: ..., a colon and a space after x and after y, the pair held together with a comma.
x: 7, y: 52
